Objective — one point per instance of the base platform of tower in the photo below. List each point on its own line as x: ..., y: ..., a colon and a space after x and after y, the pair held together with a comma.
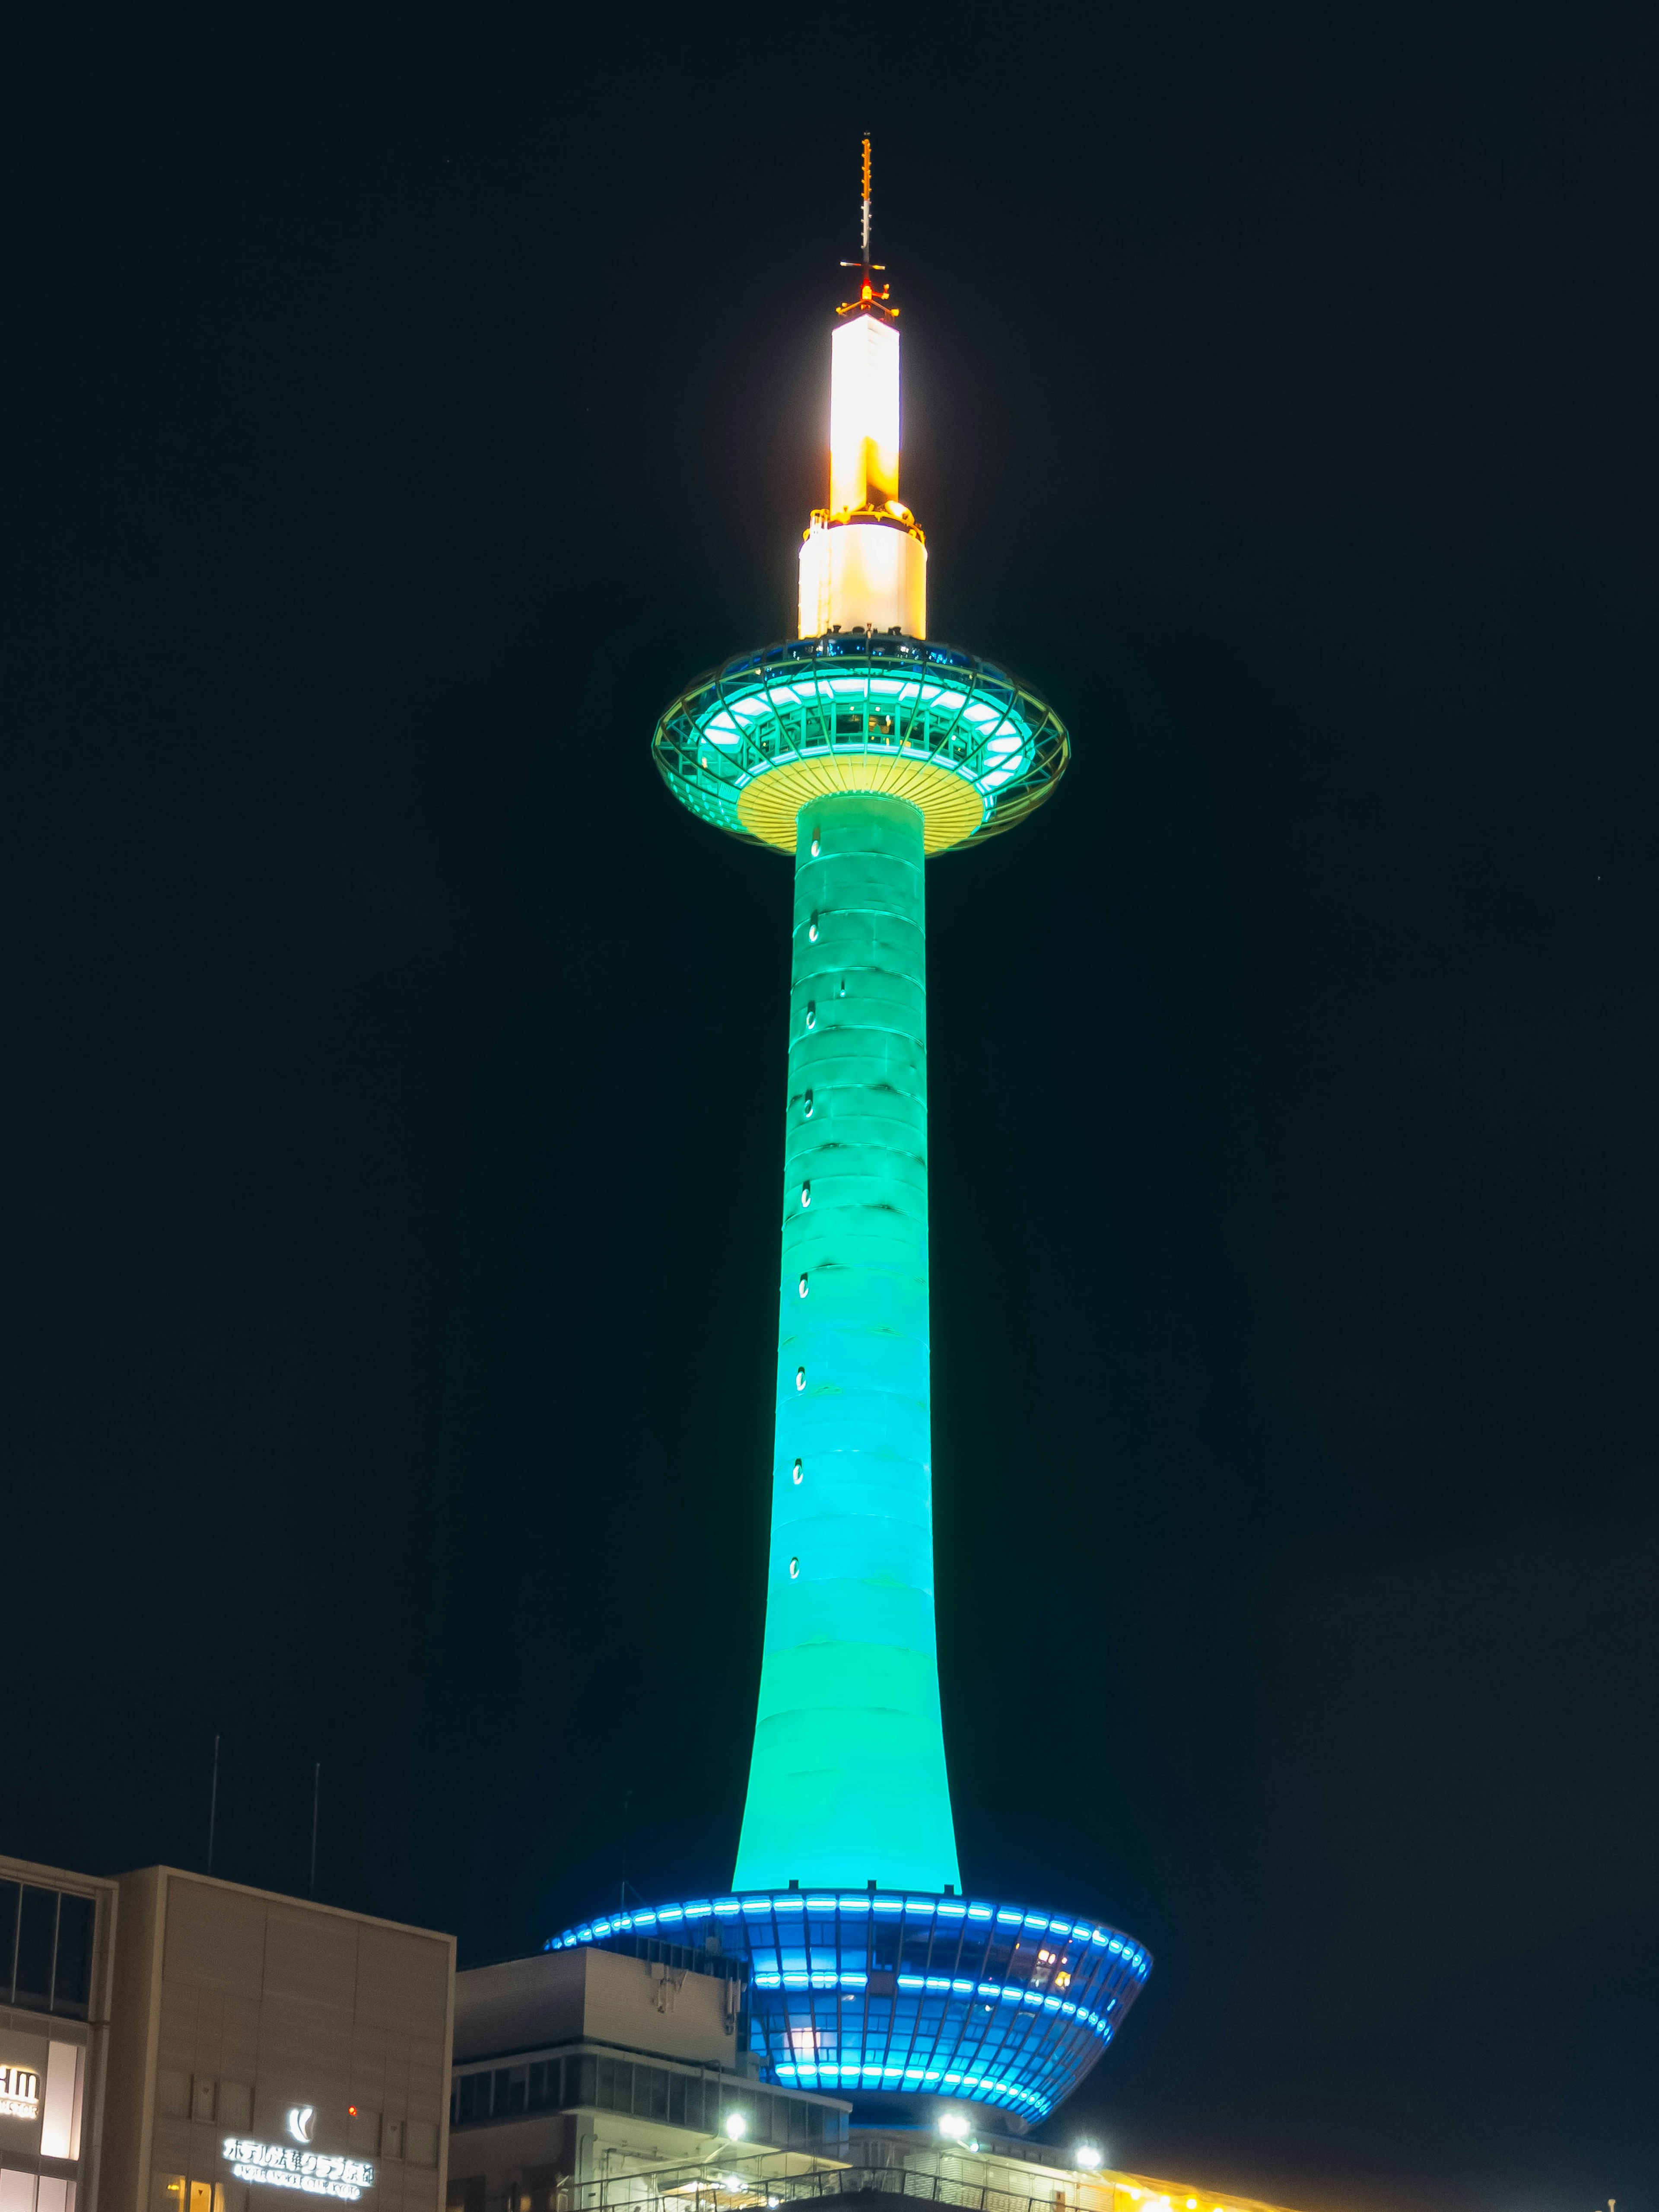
x: 889, y: 1996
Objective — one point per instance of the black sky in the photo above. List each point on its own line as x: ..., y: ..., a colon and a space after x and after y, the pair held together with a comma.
x: 393, y: 1099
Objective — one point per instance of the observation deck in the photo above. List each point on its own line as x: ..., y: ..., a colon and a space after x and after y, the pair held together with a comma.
x: 748, y: 746
x: 885, y: 1994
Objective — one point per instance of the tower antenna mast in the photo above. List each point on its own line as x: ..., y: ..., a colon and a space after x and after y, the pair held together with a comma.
x: 866, y: 208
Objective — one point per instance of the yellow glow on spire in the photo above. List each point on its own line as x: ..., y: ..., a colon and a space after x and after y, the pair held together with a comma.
x: 863, y: 415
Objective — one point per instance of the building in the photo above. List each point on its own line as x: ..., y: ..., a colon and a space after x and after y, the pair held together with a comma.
x: 260, y: 2043
x: 615, y: 2080
x: 57, y: 1948
x: 580, y: 2069
x: 862, y: 748
x: 993, y: 2174
x: 169, y: 2042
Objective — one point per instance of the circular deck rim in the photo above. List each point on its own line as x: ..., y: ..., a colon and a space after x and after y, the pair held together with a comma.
x: 746, y: 745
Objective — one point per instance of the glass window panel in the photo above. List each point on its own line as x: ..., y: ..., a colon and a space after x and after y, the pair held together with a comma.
x: 37, y: 1937
x: 72, y: 1981
x: 498, y: 2102
x: 580, y: 2083
x: 10, y: 1892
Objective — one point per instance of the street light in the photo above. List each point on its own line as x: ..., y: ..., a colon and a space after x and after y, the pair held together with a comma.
x: 1086, y: 2156
x: 953, y: 2125
x: 735, y: 2126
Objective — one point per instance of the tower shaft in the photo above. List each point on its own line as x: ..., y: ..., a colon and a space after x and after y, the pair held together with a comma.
x: 848, y: 1782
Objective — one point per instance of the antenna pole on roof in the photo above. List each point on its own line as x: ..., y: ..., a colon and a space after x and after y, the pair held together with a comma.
x: 213, y: 1804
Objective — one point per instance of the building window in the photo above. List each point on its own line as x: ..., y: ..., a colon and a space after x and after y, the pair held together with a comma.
x: 617, y: 2085
x: 46, y: 1950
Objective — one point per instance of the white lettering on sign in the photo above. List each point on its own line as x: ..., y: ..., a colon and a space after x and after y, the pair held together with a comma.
x: 316, y: 2172
x: 19, y: 2093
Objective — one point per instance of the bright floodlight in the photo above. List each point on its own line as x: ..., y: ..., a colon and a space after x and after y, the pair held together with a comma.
x: 953, y: 2125
x: 1087, y: 2156
x: 736, y: 2127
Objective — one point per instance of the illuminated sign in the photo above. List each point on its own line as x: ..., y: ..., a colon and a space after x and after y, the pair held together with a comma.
x: 315, y: 2173
x: 19, y: 2093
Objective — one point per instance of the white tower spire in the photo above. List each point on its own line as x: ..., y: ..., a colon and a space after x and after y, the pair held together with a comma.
x: 864, y: 565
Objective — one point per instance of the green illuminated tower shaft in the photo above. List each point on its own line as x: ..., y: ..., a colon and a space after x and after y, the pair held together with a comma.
x: 848, y: 1782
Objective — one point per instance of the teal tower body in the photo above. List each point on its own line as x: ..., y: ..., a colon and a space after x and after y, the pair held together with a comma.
x: 863, y: 748
x: 848, y: 1775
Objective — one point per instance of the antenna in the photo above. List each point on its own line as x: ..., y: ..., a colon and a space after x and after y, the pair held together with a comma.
x: 868, y: 296
x: 213, y: 1804
x: 866, y: 204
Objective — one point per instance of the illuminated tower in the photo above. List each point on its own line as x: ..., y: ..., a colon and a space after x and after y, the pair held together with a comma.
x: 860, y: 747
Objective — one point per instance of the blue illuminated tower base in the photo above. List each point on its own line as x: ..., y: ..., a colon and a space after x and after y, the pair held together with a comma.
x: 888, y: 1996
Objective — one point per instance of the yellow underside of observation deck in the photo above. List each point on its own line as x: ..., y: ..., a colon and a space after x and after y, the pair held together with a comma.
x: 952, y: 807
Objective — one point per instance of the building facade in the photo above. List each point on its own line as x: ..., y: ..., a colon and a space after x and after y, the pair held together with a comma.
x: 260, y: 2044
x: 579, y: 2069
x: 57, y: 1946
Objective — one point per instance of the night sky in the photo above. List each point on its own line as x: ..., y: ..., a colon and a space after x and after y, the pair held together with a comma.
x: 394, y: 1096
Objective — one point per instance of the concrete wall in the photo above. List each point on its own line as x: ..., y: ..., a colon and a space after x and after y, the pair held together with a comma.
x: 594, y: 1997
x: 232, y: 2005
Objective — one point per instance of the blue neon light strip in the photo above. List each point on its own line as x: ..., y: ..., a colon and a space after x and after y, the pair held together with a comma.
x: 618, y: 1923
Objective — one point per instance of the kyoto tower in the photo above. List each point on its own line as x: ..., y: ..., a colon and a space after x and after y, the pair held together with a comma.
x: 861, y: 747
